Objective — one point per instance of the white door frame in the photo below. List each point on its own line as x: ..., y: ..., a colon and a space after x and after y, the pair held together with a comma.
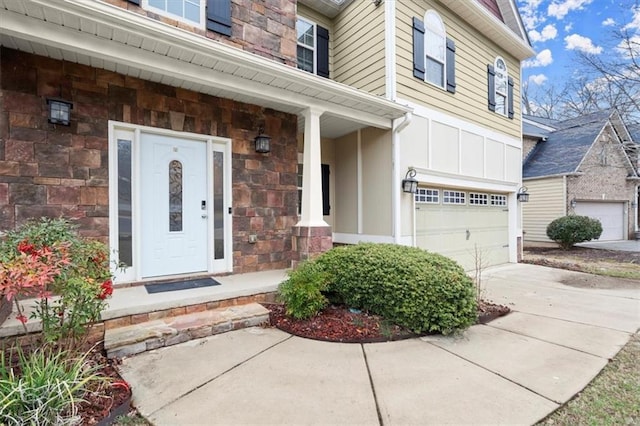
x: 131, y: 132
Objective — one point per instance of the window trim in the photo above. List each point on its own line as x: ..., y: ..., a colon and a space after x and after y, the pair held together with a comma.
x: 497, y: 83
x: 429, y: 31
x: 203, y: 14
x: 313, y: 49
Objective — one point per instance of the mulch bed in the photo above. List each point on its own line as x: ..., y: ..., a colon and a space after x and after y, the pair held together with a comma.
x: 337, y: 323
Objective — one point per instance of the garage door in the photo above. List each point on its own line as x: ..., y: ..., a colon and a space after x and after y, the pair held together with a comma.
x: 454, y: 223
x: 610, y: 215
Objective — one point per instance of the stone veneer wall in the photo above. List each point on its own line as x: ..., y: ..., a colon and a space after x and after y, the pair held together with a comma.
x: 266, y: 27
x: 52, y: 170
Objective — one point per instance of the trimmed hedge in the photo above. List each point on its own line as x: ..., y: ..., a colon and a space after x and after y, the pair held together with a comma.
x: 425, y: 292
x: 572, y: 229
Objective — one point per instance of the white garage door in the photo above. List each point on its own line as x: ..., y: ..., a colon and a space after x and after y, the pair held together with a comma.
x: 454, y: 223
x: 610, y: 215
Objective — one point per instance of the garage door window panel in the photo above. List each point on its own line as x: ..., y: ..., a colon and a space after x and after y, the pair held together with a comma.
x: 454, y: 197
x: 428, y: 196
x: 477, y: 199
x: 498, y: 200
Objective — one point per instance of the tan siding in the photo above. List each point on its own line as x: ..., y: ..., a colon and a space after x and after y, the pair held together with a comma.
x: 546, y: 203
x: 345, y: 210
x: 358, y: 43
x: 473, y: 52
x: 376, y: 175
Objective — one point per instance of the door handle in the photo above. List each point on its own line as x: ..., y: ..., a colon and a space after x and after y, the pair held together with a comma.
x: 204, y: 216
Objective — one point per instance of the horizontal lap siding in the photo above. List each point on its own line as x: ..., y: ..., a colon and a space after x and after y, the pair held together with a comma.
x: 473, y: 52
x: 546, y: 203
x: 358, y: 43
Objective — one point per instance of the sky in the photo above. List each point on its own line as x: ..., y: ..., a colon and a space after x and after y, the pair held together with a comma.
x: 560, y: 28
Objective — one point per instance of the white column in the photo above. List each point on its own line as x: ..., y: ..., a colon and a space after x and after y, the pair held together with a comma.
x: 311, y: 171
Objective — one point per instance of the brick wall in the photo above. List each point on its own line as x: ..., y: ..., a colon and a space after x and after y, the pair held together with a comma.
x: 605, y: 170
x: 266, y: 28
x: 53, y: 170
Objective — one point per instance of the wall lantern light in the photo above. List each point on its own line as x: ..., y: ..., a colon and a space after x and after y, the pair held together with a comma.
x: 59, y: 111
x: 409, y: 183
x: 573, y: 203
x: 523, y: 195
x: 263, y: 142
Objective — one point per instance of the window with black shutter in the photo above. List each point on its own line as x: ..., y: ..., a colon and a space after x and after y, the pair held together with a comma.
x: 313, y: 47
x: 434, y: 55
x: 215, y: 15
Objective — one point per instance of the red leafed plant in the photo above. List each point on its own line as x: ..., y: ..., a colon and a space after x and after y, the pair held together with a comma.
x: 68, y: 275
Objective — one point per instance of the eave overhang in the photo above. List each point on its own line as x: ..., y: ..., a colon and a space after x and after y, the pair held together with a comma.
x: 104, y: 36
x: 485, y: 22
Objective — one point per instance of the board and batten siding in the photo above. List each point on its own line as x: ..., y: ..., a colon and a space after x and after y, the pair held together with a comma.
x: 358, y: 46
x: 473, y: 52
x: 546, y: 203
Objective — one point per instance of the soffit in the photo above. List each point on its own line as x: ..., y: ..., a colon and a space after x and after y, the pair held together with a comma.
x: 485, y: 22
x: 104, y: 36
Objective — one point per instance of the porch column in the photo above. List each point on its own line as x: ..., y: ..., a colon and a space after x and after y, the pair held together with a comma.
x: 311, y: 235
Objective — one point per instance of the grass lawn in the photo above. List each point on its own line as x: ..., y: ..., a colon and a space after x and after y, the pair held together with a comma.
x: 612, y: 398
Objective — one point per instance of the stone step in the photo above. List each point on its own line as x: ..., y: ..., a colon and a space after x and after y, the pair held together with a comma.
x: 133, y: 339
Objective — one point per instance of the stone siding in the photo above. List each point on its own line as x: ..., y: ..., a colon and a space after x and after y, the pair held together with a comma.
x: 52, y: 170
x: 266, y: 28
x: 604, y: 177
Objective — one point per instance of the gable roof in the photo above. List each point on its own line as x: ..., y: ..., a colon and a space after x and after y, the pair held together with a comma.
x: 565, y: 147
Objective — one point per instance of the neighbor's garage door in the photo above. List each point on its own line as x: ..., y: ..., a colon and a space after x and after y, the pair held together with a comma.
x: 454, y: 223
x: 610, y: 215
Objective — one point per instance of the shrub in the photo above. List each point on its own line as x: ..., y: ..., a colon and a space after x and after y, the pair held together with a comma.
x: 302, y: 291
x: 47, y: 257
x: 47, y: 390
x: 572, y: 229
x: 425, y: 292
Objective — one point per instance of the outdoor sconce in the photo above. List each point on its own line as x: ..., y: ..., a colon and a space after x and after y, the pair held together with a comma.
x: 263, y: 142
x: 409, y: 184
x: 59, y: 111
x: 573, y: 203
x: 523, y: 195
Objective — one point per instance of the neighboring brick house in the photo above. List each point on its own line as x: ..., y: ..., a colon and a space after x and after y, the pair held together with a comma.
x: 169, y: 99
x: 586, y: 165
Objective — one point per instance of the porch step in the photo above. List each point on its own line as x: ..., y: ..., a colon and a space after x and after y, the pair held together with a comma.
x: 133, y: 339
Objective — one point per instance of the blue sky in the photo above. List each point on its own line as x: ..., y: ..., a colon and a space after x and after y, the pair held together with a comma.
x: 559, y: 28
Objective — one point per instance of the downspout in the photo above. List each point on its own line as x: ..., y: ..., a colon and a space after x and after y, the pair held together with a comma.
x: 636, y: 210
x: 398, y: 126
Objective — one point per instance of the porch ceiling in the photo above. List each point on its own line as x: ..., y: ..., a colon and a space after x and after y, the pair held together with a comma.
x: 98, y: 34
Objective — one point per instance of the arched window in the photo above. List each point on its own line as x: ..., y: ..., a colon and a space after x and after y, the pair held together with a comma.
x: 501, y: 85
x: 435, y: 48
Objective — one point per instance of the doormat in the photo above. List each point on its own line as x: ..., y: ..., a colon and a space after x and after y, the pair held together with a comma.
x: 180, y: 285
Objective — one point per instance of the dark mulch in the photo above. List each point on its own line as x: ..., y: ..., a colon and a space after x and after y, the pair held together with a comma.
x: 585, y: 253
x: 337, y: 323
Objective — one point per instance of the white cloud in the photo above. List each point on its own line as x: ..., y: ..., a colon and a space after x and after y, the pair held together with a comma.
x: 629, y: 48
x: 608, y: 22
x: 548, y: 33
x: 542, y: 59
x: 538, y: 79
x: 582, y: 44
x: 635, y: 21
x: 568, y: 27
x: 531, y: 16
x: 559, y: 9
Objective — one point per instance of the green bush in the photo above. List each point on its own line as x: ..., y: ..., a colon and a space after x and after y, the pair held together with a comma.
x: 425, y: 292
x: 47, y: 390
x: 572, y: 229
x: 302, y: 291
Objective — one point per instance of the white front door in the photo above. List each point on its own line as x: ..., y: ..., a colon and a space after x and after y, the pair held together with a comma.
x: 174, y: 205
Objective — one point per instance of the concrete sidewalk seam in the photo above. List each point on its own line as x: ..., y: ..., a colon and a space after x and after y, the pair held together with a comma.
x: 496, y: 373
x: 219, y: 375
x: 555, y: 343
x: 373, y: 387
x: 576, y: 322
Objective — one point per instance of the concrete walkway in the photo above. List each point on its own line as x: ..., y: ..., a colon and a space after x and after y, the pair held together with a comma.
x: 515, y: 370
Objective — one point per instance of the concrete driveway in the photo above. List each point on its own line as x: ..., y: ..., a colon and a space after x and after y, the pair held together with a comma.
x: 515, y: 370
x: 625, y: 245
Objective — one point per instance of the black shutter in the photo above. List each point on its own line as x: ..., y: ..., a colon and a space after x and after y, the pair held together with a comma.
x: 451, y: 66
x: 418, y: 48
x: 322, y: 51
x: 491, y: 95
x: 326, y: 208
x: 510, y: 98
x: 219, y: 16
x: 136, y: 2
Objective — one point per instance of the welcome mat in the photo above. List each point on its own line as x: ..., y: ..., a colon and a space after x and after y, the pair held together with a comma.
x: 180, y: 285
